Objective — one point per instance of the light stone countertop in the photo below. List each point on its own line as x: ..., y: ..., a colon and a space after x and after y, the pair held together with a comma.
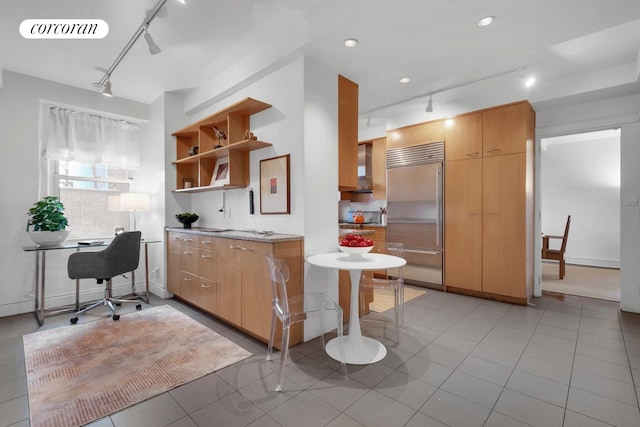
x: 250, y: 235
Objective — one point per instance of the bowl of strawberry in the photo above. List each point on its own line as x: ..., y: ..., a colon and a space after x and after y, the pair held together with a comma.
x: 355, y: 245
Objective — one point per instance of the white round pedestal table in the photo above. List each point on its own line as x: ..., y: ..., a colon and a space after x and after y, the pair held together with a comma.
x: 359, y: 350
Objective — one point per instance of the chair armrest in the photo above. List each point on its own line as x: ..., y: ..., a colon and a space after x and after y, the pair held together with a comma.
x: 552, y: 237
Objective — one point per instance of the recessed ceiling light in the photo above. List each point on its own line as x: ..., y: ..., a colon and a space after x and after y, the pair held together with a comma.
x: 405, y: 80
x: 487, y: 20
x: 350, y: 42
x: 530, y: 81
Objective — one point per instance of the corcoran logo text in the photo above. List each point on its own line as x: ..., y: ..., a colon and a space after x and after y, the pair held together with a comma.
x: 64, y: 29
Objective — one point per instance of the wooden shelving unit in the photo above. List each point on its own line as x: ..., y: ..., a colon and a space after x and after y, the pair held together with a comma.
x: 234, y: 122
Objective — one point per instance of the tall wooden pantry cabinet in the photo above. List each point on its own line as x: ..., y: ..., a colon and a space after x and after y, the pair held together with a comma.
x: 489, y: 202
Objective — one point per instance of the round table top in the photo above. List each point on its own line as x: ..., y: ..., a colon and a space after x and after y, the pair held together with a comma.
x: 369, y: 261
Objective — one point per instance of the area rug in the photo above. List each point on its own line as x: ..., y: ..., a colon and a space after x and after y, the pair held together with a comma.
x: 383, y: 299
x: 80, y: 373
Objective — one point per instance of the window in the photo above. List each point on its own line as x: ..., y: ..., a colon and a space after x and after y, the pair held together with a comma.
x: 93, y: 160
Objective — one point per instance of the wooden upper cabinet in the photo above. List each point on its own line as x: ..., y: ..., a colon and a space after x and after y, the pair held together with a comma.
x: 508, y: 129
x: 347, y: 134
x: 422, y: 133
x: 463, y: 137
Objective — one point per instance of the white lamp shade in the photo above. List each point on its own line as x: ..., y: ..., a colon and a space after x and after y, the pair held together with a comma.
x: 134, y: 202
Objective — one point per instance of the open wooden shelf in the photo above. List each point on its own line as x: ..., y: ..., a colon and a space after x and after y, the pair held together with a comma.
x: 234, y: 122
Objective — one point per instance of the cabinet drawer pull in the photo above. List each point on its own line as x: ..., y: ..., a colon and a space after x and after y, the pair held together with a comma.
x: 204, y: 285
x: 248, y: 249
x: 473, y: 154
x: 494, y: 151
x: 188, y: 253
x: 187, y: 279
x: 206, y: 242
x: 205, y: 256
x: 234, y: 247
x: 175, y: 238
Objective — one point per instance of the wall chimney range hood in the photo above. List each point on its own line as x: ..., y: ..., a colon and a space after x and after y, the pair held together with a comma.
x: 365, y: 162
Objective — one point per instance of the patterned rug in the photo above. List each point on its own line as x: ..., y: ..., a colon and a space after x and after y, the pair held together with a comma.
x: 83, y: 372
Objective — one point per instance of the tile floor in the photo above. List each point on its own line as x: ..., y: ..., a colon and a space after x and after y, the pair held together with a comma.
x: 462, y: 361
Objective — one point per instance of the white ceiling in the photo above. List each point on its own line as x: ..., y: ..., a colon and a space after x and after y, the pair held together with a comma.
x: 585, y: 48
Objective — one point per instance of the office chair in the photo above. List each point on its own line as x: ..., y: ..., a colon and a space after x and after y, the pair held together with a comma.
x: 295, y: 309
x: 394, y: 282
x: 121, y: 256
x: 557, y: 254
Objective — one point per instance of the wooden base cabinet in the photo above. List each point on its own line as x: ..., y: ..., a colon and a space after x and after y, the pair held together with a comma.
x: 229, y: 278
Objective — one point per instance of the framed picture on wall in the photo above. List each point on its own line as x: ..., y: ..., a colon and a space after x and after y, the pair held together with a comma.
x: 220, y: 173
x: 275, y: 185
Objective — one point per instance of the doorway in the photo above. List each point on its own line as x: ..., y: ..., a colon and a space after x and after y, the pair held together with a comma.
x: 580, y: 176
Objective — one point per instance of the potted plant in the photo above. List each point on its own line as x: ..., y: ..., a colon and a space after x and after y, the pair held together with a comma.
x: 186, y: 219
x: 48, y: 221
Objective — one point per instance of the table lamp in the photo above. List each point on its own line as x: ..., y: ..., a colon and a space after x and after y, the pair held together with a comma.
x: 134, y: 202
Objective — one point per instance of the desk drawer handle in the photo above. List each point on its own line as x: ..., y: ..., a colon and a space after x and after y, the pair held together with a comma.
x: 248, y: 249
x: 234, y: 247
x: 494, y: 151
x: 188, y: 253
x: 206, y: 242
x: 205, y: 256
x: 205, y: 285
x: 187, y: 279
x: 473, y: 154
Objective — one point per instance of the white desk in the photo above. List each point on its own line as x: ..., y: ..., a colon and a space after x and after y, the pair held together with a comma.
x: 41, y: 252
x: 359, y: 350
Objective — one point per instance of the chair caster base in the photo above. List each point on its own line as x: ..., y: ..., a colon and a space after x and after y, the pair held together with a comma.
x: 116, y: 317
x: 73, y: 320
x: 139, y: 307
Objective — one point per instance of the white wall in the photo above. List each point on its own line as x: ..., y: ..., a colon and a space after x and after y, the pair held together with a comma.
x: 281, y: 125
x: 20, y: 98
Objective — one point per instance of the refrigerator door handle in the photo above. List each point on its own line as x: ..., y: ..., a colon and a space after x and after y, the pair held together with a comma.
x: 416, y: 251
x: 439, y: 204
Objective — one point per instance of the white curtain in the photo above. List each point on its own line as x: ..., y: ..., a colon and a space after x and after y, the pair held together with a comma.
x: 88, y: 138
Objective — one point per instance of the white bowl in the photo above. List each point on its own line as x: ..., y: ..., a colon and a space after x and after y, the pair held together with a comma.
x: 355, y: 252
x: 48, y: 238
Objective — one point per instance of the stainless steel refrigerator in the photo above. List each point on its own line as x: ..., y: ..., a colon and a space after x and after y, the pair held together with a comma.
x: 415, y: 209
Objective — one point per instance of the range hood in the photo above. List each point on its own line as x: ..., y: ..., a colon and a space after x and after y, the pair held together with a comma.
x: 365, y: 162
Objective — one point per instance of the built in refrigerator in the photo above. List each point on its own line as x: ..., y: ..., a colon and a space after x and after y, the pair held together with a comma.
x: 415, y: 210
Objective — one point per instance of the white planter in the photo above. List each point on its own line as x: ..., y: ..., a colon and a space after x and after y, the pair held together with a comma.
x: 48, y: 238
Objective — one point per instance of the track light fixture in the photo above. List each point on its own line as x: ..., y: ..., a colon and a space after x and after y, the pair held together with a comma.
x: 105, y: 82
x: 153, y: 47
x: 429, y: 108
x: 106, y: 91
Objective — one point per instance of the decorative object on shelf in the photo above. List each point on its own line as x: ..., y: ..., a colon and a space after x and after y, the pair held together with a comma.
x: 48, y: 221
x: 248, y: 135
x: 186, y: 219
x: 194, y: 150
x: 275, y: 185
x: 221, y: 173
x: 187, y: 182
x: 220, y: 135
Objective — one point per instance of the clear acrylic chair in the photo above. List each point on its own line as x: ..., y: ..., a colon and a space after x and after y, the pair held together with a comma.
x: 394, y: 282
x: 295, y: 309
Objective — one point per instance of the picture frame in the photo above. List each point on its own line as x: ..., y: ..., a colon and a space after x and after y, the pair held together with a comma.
x: 275, y: 185
x: 220, y: 175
